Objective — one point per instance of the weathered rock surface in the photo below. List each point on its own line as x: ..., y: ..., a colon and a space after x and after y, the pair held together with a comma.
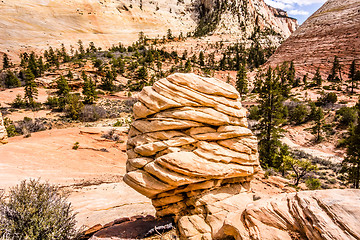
x: 332, y: 30
x: 324, y: 214
x: 38, y: 24
x: 185, y: 155
x: 3, y: 133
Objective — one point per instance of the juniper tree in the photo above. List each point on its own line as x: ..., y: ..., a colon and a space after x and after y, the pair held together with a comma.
x: 300, y: 168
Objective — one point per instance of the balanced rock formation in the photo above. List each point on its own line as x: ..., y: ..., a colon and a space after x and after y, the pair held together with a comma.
x: 3, y: 133
x: 332, y: 30
x: 189, y: 146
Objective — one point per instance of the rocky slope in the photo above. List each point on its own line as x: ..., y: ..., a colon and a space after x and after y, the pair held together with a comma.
x: 332, y: 30
x: 40, y: 23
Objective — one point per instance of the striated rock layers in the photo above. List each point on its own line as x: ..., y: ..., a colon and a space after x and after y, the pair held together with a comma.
x: 3, y: 133
x: 189, y: 140
x: 38, y: 24
x: 332, y: 30
x: 325, y: 214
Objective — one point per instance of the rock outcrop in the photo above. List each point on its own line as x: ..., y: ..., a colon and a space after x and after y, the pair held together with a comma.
x: 189, y: 146
x: 324, y: 214
x: 3, y: 133
x: 332, y: 30
x: 109, y: 22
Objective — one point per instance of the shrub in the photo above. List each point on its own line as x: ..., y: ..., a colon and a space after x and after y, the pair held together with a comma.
x: 328, y: 98
x: 52, y: 102
x: 37, y: 210
x: 313, y: 183
x: 128, y: 105
x: 118, y: 123
x: 111, y: 135
x: 299, y: 114
x: 18, y: 102
x: 73, y: 106
x: 347, y: 116
x: 10, y: 127
x: 28, y: 125
x: 91, y: 113
x: 76, y: 146
x: 11, y: 80
x: 254, y: 113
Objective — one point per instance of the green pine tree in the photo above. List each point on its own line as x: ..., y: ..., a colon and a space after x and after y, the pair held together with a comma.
x: 187, y: 66
x: 318, y: 118
x: 108, y: 81
x: 317, y: 78
x: 241, y: 81
x: 291, y: 74
x: 31, y: 91
x: 63, y: 91
x: 89, y: 91
x: 11, y: 80
x: 70, y: 75
x: 6, y: 61
x: 201, y: 59
x: 353, y: 76
x: 351, y: 163
x: 271, y: 117
x: 335, y: 74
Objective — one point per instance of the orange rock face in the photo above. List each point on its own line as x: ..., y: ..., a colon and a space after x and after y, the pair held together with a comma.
x: 333, y: 30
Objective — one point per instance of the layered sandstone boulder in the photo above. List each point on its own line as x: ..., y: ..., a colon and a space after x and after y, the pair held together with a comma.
x: 189, y: 138
x: 3, y: 133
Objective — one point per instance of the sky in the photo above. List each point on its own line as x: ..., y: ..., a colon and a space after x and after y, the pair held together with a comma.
x: 299, y: 9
